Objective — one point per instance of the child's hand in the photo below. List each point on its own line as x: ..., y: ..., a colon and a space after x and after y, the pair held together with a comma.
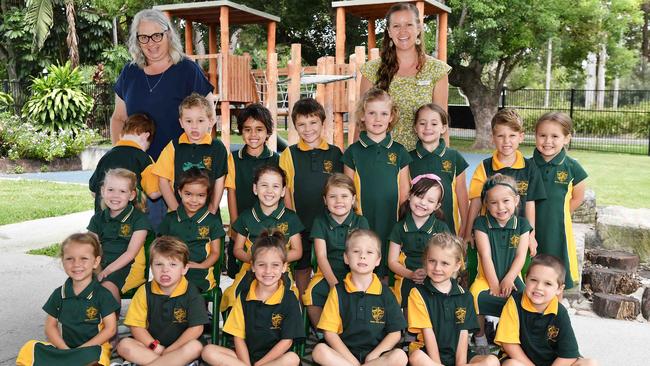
x: 371, y: 356
x: 507, y: 285
x: 495, y: 289
x: 334, y: 283
x: 103, y: 274
x: 212, y: 208
x: 532, y: 244
x: 193, y: 265
x: 159, y: 350
x: 419, y: 275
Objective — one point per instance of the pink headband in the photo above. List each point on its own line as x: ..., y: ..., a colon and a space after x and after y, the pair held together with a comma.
x: 428, y: 176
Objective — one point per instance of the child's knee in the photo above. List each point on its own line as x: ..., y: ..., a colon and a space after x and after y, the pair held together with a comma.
x: 397, y: 357
x: 320, y: 352
x: 585, y: 362
x: 417, y: 357
x: 193, y: 348
x: 292, y: 359
x: 511, y: 362
x: 126, y: 348
x: 491, y: 360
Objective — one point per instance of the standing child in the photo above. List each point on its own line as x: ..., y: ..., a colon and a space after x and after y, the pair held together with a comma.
x: 166, y: 315
x: 378, y: 166
x: 308, y: 164
x: 432, y: 155
x: 266, y: 318
x: 197, y: 227
x: 502, y: 240
x: 122, y: 230
x: 441, y: 313
x: 82, y: 307
x: 329, y: 232
x: 564, y: 180
x: 409, y: 236
x: 194, y: 148
x: 267, y: 213
x: 361, y: 319
x: 534, y: 328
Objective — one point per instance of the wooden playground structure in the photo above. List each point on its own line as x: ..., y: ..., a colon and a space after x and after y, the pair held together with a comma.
x: 337, y: 83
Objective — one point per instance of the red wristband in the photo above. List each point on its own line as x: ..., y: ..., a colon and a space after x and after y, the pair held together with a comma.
x: 154, y: 344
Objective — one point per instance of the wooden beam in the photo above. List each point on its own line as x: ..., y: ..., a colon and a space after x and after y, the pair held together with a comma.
x: 372, y: 37
x: 212, y: 63
x: 442, y: 37
x: 330, y: 110
x: 272, y: 97
x: 294, y: 88
x: 374, y: 54
x: 270, y: 39
x: 354, y: 86
x: 225, y: 50
x: 340, y: 35
x: 188, y: 37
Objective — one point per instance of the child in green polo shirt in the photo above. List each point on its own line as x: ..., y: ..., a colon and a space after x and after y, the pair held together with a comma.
x: 440, y: 312
x: 129, y: 153
x: 197, y: 227
x: 308, y: 164
x: 534, y: 328
x: 378, y: 165
x: 564, y: 181
x: 194, y: 148
x: 82, y: 307
x: 166, y: 315
x: 266, y: 318
x: 361, y: 319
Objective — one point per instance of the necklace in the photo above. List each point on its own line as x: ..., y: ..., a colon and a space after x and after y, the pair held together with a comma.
x: 151, y: 88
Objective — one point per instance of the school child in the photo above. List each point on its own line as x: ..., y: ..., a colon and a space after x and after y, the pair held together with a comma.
x: 166, y: 315
x: 308, y: 164
x: 361, y: 319
x: 129, y: 153
x: 534, y: 328
x: 421, y: 220
x: 440, y: 312
x: 266, y: 318
x: 329, y: 232
x: 378, y: 166
x: 502, y: 239
x: 122, y: 229
x: 432, y: 155
x: 564, y: 181
x: 83, y: 308
x: 267, y: 213
x: 194, y: 148
x: 197, y: 227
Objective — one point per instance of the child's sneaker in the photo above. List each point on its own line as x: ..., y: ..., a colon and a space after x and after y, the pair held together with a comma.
x: 194, y: 363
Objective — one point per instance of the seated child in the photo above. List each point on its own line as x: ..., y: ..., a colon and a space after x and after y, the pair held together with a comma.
x: 440, y: 312
x: 166, y: 315
x: 266, y: 317
x: 535, y: 329
x: 194, y: 148
x: 82, y: 307
x: 129, y: 153
x: 361, y: 319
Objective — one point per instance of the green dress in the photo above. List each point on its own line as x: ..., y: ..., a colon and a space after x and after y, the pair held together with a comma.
x: 409, y: 93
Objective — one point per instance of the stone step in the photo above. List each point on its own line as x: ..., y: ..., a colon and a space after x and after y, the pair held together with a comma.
x: 625, y: 228
x: 611, y: 281
x: 616, y: 306
x: 586, y: 212
x: 615, y: 259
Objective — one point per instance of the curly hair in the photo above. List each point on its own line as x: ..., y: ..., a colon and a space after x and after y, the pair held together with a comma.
x: 154, y: 16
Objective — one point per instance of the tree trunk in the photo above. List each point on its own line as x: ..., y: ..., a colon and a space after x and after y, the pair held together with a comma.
x: 72, y: 39
x: 600, y: 83
x: 199, y: 45
x: 590, y: 82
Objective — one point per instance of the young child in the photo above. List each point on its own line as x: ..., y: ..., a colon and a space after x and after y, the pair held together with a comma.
x: 564, y: 181
x: 502, y: 240
x: 440, y: 312
x: 329, y: 232
x: 432, y: 155
x: 410, y: 235
x: 308, y: 164
x: 361, y: 319
x: 82, y: 307
x: 378, y: 166
x: 194, y: 148
x: 129, y: 153
x: 266, y: 318
x: 195, y: 226
x: 166, y: 315
x: 122, y: 230
x: 534, y: 328
x: 267, y: 213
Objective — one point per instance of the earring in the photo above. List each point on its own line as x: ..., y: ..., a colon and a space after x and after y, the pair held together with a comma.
x: 417, y: 41
x: 390, y: 43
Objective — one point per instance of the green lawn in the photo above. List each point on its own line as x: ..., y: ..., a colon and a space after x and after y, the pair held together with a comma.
x: 22, y: 200
x: 53, y: 250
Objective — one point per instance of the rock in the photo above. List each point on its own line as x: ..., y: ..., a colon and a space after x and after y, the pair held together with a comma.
x: 625, y: 228
x: 611, y: 281
x: 586, y: 213
x: 616, y: 306
x: 645, y: 304
x: 587, y: 313
x: 582, y: 304
x: 617, y: 259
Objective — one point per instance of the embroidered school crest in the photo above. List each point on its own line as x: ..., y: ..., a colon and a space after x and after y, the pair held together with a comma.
x: 91, y: 313
x: 447, y: 165
x: 514, y: 241
x: 522, y: 187
x: 276, y: 321
x: 180, y: 315
x: 204, y: 232
x: 377, y: 315
x: 552, y: 332
x: 207, y: 161
x: 283, y: 227
x: 125, y: 230
x: 328, y: 166
x: 460, y: 314
x: 392, y: 158
x: 561, y: 176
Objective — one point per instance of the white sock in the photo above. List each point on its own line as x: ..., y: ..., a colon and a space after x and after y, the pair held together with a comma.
x: 480, y: 341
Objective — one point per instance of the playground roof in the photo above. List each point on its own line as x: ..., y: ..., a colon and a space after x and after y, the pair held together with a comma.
x: 207, y: 12
x: 376, y: 9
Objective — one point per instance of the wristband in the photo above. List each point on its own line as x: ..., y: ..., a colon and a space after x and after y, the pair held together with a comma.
x: 152, y: 346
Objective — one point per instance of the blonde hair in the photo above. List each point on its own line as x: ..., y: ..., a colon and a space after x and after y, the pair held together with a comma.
x: 508, y: 117
x: 197, y: 100
x: 339, y: 180
x: 154, y: 16
x: 138, y: 202
x: 560, y: 118
x: 446, y: 241
x: 499, y: 179
x: 359, y: 233
x: 171, y: 247
x: 88, y: 238
x: 372, y: 95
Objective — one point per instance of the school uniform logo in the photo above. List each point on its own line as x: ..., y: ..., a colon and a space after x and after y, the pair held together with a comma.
x: 207, y: 161
x: 276, y: 321
x: 447, y: 166
x: 392, y: 158
x: 522, y: 187
x: 283, y: 227
x: 377, y: 315
x: 460, y: 314
x: 91, y: 313
x: 204, y: 232
x: 328, y: 166
x: 180, y: 315
x: 125, y: 230
x: 514, y: 241
x: 552, y: 332
x: 561, y: 177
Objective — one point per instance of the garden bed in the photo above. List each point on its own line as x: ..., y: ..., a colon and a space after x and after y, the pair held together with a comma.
x: 8, y: 166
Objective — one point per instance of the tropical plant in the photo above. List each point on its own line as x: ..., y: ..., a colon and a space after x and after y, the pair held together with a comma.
x: 6, y: 100
x: 57, y: 101
x: 114, y: 60
x: 40, y: 17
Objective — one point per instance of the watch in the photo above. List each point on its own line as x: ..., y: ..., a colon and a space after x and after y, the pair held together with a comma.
x: 154, y: 344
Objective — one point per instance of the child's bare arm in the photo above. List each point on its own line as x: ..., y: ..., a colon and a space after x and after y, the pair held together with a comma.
x: 334, y: 341
x: 507, y: 283
x: 295, y: 248
x: 211, y: 259
x: 404, y: 184
x: 217, y: 193
x: 348, y: 171
x: 393, y: 261
x: 189, y: 334
x: 564, y: 361
x: 168, y: 193
x: 463, y: 201
x: 530, y: 216
x: 386, y: 344
x: 53, y: 333
x: 577, y: 196
x: 461, y: 350
x: 241, y: 349
x: 288, y: 202
x: 472, y: 213
x: 278, y: 350
x: 238, y: 250
x: 232, y: 205
x: 143, y: 336
x: 137, y: 241
x: 110, y: 327
x: 431, y: 344
x: 320, y: 249
x: 515, y: 352
x: 485, y: 255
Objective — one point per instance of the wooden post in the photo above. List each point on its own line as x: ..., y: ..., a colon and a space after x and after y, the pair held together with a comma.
x: 225, y: 101
x: 442, y: 37
x: 374, y: 54
x: 372, y: 37
x: 354, y: 87
x: 212, y: 62
x: 293, y: 89
x: 320, y: 88
x: 168, y: 15
x: 328, y: 128
x: 270, y: 40
x: 340, y: 35
x: 188, y: 37
x: 420, y: 6
x: 272, y: 97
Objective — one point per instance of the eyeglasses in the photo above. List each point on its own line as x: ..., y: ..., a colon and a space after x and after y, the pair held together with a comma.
x: 156, y: 37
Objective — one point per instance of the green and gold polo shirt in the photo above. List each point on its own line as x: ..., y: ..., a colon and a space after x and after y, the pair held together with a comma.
x: 307, y: 171
x: 554, y: 232
x: 448, y: 164
x: 241, y: 171
x: 166, y: 317
x: 197, y: 232
x: 264, y: 323
x: 543, y: 336
x: 446, y: 313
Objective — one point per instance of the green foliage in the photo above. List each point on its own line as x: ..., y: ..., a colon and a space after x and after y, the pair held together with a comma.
x: 39, y: 17
x: 53, y: 250
x: 6, y: 100
x: 114, y: 60
x: 57, y: 101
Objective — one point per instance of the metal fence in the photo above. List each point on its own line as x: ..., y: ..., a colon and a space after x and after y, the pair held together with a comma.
x: 605, y: 120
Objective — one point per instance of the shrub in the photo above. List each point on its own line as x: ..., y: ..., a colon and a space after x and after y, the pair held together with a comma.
x: 58, y: 101
x: 6, y: 101
x: 626, y: 121
x: 114, y: 60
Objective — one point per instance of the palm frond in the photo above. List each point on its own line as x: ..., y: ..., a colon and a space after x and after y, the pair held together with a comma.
x: 40, y: 18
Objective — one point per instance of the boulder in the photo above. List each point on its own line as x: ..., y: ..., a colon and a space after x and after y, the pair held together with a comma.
x: 616, y: 259
x: 611, y: 281
x: 586, y: 212
x: 645, y: 304
x: 625, y: 228
x: 616, y: 306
